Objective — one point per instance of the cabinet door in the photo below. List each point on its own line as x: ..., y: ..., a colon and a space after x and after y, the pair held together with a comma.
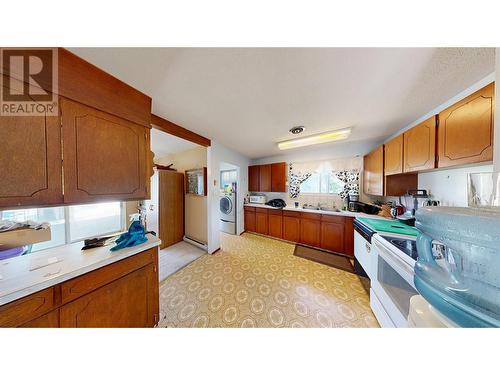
x: 249, y: 220
x: 261, y: 221
x: 310, y: 232
x: 373, y: 172
x: 275, y: 225
x: 30, y: 161
x: 265, y: 177
x: 278, y: 177
x: 254, y: 178
x: 393, y: 156
x: 27, y: 308
x: 171, y: 207
x: 131, y: 301
x: 104, y: 156
x: 465, y: 130
x: 332, y: 237
x: 291, y: 229
x: 420, y: 146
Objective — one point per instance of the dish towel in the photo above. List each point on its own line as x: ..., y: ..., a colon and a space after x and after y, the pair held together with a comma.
x: 135, y: 235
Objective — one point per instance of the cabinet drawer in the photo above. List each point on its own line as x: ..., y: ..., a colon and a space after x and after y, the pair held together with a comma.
x: 291, y: 213
x: 261, y: 210
x: 26, y: 309
x: 249, y: 209
x: 49, y: 320
x: 275, y: 212
x: 310, y: 216
x: 82, y: 285
x: 333, y: 219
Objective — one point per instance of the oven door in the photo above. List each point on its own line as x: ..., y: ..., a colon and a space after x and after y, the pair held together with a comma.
x: 392, y: 283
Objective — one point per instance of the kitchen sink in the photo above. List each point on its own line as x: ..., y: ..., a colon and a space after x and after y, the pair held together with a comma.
x: 320, y: 208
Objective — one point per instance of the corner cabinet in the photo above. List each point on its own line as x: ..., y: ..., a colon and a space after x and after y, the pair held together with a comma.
x: 373, y: 172
x: 104, y: 156
x: 466, y: 130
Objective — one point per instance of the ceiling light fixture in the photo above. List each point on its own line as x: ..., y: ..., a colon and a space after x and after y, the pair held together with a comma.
x: 336, y: 135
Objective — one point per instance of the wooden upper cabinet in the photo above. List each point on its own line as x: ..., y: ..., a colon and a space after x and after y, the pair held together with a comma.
x: 254, y: 178
x: 104, y: 157
x: 30, y: 161
x: 278, y: 177
x: 393, y: 156
x: 373, y: 172
x: 465, y: 130
x: 420, y: 146
x: 265, y: 177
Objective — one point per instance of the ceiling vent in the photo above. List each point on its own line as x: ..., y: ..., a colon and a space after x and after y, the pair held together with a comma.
x: 297, y: 129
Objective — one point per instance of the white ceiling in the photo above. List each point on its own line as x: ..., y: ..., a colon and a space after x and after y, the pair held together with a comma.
x: 248, y: 98
x: 163, y: 144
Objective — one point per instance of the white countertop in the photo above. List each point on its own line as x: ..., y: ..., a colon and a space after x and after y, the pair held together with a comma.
x: 27, y: 274
x: 340, y: 213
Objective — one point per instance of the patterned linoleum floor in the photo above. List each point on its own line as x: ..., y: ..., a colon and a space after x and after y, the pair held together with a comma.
x: 255, y: 281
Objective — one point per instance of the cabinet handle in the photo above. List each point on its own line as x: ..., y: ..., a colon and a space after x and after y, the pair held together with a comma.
x: 368, y: 248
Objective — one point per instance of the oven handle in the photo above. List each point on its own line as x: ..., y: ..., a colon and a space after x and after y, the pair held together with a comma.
x: 402, y: 268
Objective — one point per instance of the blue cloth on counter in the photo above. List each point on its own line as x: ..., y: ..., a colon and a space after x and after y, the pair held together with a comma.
x: 135, y: 235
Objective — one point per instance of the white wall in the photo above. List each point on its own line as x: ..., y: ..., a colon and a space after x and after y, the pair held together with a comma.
x: 450, y: 186
x: 217, y: 154
x: 496, y: 141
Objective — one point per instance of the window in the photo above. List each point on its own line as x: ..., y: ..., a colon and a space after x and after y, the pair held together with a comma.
x: 73, y: 223
x: 322, y: 183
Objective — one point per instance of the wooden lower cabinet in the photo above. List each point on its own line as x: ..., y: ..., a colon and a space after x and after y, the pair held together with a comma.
x: 250, y: 219
x: 122, y: 303
x: 327, y: 232
x: 122, y: 294
x: 275, y: 224
x: 291, y: 227
x: 261, y: 221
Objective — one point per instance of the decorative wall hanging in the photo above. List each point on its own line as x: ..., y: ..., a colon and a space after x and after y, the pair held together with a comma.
x: 350, y: 178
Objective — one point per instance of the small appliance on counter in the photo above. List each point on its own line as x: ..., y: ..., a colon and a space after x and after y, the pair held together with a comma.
x: 408, y: 217
x: 276, y: 203
x: 464, y: 284
x: 257, y: 198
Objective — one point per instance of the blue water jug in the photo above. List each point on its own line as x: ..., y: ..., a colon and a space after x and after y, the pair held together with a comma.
x: 463, y: 282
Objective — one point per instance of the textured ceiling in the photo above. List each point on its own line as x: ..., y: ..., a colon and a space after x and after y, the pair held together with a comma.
x: 248, y: 98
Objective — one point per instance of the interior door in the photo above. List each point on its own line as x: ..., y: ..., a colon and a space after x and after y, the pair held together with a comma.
x: 104, y: 157
x: 171, y: 212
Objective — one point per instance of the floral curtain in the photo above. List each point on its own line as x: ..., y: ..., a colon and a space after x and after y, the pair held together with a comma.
x: 350, y: 178
x: 295, y: 179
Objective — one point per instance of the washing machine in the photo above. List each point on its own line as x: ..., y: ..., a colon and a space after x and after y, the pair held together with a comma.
x: 227, y: 212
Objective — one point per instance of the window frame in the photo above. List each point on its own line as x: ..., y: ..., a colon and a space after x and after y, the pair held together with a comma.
x: 320, y: 193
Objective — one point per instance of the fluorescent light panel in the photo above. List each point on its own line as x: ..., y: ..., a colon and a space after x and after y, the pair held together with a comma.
x: 336, y: 135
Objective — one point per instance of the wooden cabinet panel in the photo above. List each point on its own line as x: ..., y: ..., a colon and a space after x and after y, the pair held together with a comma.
x: 349, y: 237
x: 104, y: 157
x: 261, y: 221
x: 84, y: 284
x: 30, y: 161
x: 126, y: 302
x: 420, y: 146
x: 332, y: 236
x: 249, y: 219
x: 278, y: 177
x: 265, y: 177
x: 49, y: 320
x: 393, y: 156
x: 310, y: 231
x: 291, y: 228
x: 465, y: 130
x: 373, y: 172
x: 275, y: 224
x: 254, y: 178
x: 26, y: 309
